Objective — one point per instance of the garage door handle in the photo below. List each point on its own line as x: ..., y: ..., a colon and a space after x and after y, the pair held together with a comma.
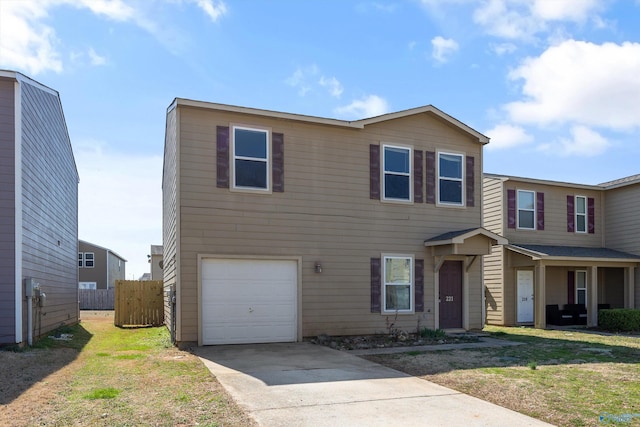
x: 250, y: 310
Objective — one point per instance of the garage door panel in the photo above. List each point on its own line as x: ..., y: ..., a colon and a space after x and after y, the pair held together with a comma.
x: 248, y: 301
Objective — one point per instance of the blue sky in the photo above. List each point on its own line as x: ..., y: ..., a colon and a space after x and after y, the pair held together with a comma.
x: 555, y: 84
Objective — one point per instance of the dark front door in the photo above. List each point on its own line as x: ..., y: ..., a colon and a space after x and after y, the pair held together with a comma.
x: 450, y: 279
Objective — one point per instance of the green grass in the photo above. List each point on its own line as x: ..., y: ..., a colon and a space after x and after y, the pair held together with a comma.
x: 103, y: 393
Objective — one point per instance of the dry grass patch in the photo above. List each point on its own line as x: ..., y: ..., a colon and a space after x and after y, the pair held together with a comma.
x: 564, y: 378
x: 121, y: 377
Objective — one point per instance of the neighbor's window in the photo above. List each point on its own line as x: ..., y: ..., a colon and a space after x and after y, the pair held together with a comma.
x: 88, y: 259
x: 397, y: 288
x: 450, y: 173
x: 397, y: 173
x: 581, y: 287
x: 250, y: 158
x: 80, y: 260
x: 526, y: 209
x: 581, y: 214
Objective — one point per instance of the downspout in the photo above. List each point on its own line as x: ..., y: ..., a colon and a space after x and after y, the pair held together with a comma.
x: 107, y: 266
x: 30, y: 319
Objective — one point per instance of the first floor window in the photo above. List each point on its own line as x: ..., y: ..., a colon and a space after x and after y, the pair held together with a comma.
x: 581, y: 287
x: 581, y: 214
x: 526, y: 209
x: 450, y: 174
x: 397, y: 173
x: 250, y: 158
x: 88, y: 259
x: 397, y: 287
x: 80, y: 260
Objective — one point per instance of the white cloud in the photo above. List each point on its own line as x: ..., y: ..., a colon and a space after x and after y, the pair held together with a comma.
x: 95, y: 58
x: 523, y: 19
x: 507, y: 136
x: 332, y: 84
x: 503, y: 48
x: 580, y: 82
x: 369, y: 106
x: 213, y: 9
x: 584, y: 142
x: 443, y: 48
x: 111, y: 214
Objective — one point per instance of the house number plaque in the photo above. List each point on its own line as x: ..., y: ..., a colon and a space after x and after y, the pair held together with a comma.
x: 448, y: 298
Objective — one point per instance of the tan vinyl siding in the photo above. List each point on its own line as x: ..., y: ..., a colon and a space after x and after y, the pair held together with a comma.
x: 494, y: 210
x: 169, y: 212
x: 7, y: 212
x: 555, y: 217
x: 325, y: 214
x: 50, y: 208
x: 623, y: 227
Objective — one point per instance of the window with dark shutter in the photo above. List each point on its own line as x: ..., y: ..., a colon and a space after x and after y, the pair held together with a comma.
x: 417, y: 177
x: 277, y: 166
x: 570, y: 214
x: 511, y: 208
x: 540, y: 210
x: 419, y: 285
x: 222, y: 156
x: 396, y: 167
x: 374, y: 172
x: 376, y: 285
x: 470, y: 181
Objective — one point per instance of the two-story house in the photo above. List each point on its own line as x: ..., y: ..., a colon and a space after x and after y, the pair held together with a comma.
x: 569, y: 250
x: 38, y: 212
x: 99, y: 267
x: 278, y: 226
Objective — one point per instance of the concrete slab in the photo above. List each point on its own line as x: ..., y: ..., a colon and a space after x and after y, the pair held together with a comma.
x: 301, y: 384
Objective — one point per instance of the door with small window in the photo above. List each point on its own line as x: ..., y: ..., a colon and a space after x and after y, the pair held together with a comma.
x: 450, y: 283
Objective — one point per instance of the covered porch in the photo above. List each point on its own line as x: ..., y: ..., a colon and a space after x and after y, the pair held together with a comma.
x: 565, y: 285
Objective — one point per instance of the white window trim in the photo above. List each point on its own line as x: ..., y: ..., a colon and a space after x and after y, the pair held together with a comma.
x: 410, y: 174
x: 585, y: 214
x: 93, y: 259
x: 527, y: 210
x: 461, y: 179
x: 412, y: 288
x: 233, y: 159
x: 586, y: 286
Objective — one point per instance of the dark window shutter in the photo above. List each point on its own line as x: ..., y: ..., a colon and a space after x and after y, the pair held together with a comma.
x: 222, y: 156
x: 571, y: 287
x: 417, y: 177
x: 591, y: 215
x: 277, y: 162
x: 471, y: 184
x: 374, y: 171
x: 540, y: 210
x: 511, y: 208
x: 376, y: 285
x: 570, y: 214
x: 431, y: 176
x: 419, y: 286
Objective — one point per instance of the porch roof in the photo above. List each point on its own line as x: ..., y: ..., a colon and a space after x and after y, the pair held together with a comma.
x: 549, y: 252
x: 459, y: 236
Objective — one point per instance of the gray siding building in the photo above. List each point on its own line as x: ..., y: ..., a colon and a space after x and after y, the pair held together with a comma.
x: 38, y: 211
x: 99, y: 267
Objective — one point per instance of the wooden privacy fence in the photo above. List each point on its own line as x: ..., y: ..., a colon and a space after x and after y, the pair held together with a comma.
x: 96, y: 299
x: 139, y: 303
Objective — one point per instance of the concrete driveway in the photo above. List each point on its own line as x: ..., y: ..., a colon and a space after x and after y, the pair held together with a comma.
x: 301, y: 384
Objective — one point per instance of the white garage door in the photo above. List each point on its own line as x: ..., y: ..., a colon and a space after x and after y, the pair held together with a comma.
x: 249, y: 301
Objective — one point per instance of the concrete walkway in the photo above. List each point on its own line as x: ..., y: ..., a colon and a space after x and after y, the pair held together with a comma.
x: 301, y: 384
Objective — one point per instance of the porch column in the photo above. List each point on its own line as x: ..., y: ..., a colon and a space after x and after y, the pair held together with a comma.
x: 629, y: 287
x: 592, y: 297
x: 539, y: 297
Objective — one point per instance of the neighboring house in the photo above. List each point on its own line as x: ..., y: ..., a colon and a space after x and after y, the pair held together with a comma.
x: 99, y: 267
x: 572, y: 249
x: 155, y: 259
x: 38, y: 212
x: 145, y: 277
x: 278, y: 226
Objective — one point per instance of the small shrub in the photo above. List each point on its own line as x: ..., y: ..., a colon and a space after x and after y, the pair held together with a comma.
x: 619, y: 320
x: 532, y: 365
x: 432, y: 333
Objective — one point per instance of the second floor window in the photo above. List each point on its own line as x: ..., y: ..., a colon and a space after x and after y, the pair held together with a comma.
x: 397, y: 173
x: 581, y: 214
x: 450, y: 177
x: 526, y: 209
x: 250, y: 158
